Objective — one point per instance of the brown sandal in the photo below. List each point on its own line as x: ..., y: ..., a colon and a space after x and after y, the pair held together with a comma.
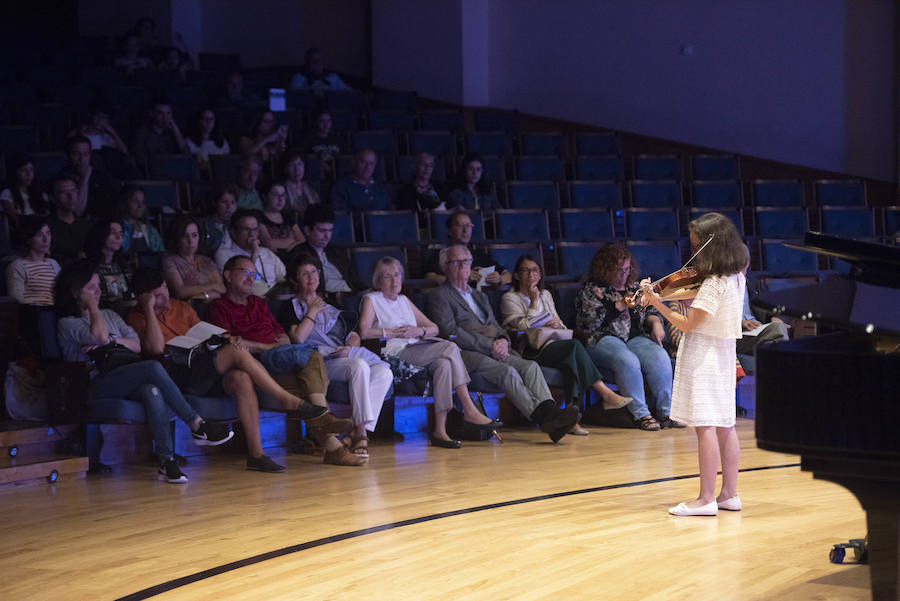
x: 359, y: 445
x: 341, y: 456
x: 647, y: 423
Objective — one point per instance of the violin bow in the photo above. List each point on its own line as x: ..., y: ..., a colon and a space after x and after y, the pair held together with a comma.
x: 686, y: 263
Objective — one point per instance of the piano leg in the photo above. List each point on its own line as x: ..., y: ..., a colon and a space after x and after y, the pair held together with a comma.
x: 881, y: 501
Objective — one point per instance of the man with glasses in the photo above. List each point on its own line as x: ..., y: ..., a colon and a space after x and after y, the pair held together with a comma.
x: 268, y: 269
x: 464, y: 315
x: 244, y: 314
x: 459, y: 231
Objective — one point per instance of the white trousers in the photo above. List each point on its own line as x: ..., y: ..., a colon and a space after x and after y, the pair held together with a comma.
x: 368, y: 377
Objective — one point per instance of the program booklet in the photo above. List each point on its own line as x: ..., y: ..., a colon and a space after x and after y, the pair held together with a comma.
x: 198, y: 334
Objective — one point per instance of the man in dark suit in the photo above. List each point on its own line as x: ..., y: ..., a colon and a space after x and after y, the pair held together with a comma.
x: 465, y: 314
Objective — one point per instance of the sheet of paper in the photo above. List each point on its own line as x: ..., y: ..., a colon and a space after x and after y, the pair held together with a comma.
x: 484, y: 271
x: 756, y: 331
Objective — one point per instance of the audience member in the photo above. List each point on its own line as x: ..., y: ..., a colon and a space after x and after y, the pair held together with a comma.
x: 308, y: 318
x: 626, y: 342
x: 188, y: 274
x: 464, y: 315
x: 205, y: 138
x: 29, y: 278
x: 148, y: 43
x: 320, y: 140
x: 230, y: 369
x: 176, y: 63
x: 300, y: 195
x: 130, y: 58
x: 473, y: 191
x: 529, y: 309
x: 248, y: 176
x: 139, y: 236
x: 338, y: 276
x: 236, y: 95
x: 23, y: 194
x: 264, y: 138
x: 83, y: 327
x: 160, y: 136
x: 246, y: 315
x: 104, y: 247
x: 459, y: 231
x: 421, y: 195
x: 69, y: 231
x: 222, y: 203
x: 268, y: 269
x: 314, y: 76
x: 411, y: 337
x: 106, y: 142
x: 278, y: 229
x: 97, y: 188
x: 753, y: 331
x: 360, y: 192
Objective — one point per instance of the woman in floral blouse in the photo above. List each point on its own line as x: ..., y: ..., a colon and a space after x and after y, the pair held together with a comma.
x: 626, y: 343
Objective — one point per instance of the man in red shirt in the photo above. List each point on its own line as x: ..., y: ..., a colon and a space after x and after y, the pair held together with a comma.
x: 246, y: 315
x: 229, y: 370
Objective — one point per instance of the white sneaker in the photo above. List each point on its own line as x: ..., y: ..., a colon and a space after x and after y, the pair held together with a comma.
x: 682, y: 509
x: 732, y: 504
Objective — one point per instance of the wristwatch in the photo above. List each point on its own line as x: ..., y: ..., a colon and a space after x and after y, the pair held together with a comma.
x: 113, y: 338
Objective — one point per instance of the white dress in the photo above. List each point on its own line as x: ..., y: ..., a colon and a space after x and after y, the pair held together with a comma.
x: 703, y: 391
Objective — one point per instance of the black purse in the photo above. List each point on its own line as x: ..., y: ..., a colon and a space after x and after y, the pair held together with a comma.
x: 112, y: 355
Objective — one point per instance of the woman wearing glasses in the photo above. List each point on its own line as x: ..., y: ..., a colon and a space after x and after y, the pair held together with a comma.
x: 626, y: 341
x: 530, y: 305
x: 310, y: 319
x: 410, y: 336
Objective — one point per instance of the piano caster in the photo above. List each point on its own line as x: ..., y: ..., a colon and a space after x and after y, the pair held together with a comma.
x: 859, y: 547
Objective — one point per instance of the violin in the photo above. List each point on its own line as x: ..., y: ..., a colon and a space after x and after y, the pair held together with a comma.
x: 684, y: 279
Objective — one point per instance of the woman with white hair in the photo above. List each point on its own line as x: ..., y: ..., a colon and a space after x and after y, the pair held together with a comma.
x: 412, y: 337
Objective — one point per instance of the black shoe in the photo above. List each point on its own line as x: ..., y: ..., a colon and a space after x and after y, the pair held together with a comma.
x: 668, y: 422
x: 445, y: 444
x: 264, y: 463
x: 307, y: 411
x: 560, y: 425
x: 211, y: 434
x: 471, y: 427
x: 168, y: 469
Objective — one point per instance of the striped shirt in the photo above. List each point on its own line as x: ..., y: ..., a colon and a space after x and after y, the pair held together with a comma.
x: 31, y: 282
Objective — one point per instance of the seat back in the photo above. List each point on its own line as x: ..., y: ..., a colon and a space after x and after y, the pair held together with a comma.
x: 533, y: 168
x: 507, y: 254
x: 384, y: 143
x: 496, y: 120
x: 781, y: 222
x: 442, y: 120
x: 655, y: 194
x: 390, y: 226
x: 521, y: 224
x: 343, y: 234
x: 849, y: 222
x: 733, y: 214
x: 543, y: 144
x: 597, y: 143
x: 595, y: 195
x: 778, y: 259
x: 582, y: 225
x: 657, y: 167
x: 365, y: 257
x: 715, y: 167
x: 651, y: 224
x: 840, y: 192
x: 489, y: 143
x: 598, y: 168
x: 532, y: 195
x: 725, y: 193
x: 656, y: 259
x: 777, y: 193
x: 574, y: 258
x: 438, y: 143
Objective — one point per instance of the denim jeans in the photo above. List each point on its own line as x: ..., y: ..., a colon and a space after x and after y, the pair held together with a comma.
x: 285, y: 359
x: 147, y: 382
x: 631, y: 365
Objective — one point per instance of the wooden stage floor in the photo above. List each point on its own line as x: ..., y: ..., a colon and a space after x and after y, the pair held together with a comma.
x: 525, y: 520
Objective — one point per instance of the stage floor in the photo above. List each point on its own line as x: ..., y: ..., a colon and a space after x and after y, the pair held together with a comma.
x: 525, y: 520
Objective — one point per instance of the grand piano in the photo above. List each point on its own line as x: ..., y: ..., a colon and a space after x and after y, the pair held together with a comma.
x: 834, y: 399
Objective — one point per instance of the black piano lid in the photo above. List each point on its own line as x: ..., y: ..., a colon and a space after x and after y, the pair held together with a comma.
x: 868, y: 300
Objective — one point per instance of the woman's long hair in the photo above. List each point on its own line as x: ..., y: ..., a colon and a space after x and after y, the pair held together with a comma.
x: 72, y: 278
x: 35, y: 193
x: 726, y: 253
x: 608, y: 259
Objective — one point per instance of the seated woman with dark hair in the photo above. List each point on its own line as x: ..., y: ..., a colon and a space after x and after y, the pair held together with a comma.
x: 23, y: 194
x: 278, y: 229
x: 222, y: 203
x: 137, y: 234
x: 530, y: 305
x: 473, y: 191
x: 421, y: 195
x: 410, y: 336
x: 29, y: 278
x: 265, y: 138
x: 188, y: 274
x: 83, y: 327
x: 310, y: 319
x: 300, y: 195
x: 104, y: 248
x: 624, y: 341
x: 205, y: 138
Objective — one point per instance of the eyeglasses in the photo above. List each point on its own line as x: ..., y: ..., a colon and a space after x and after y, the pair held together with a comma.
x: 534, y: 270
x: 247, y: 272
x: 391, y: 276
x: 308, y: 274
x: 459, y: 262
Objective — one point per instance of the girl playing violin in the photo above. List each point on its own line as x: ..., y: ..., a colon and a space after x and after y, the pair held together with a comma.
x: 703, y: 392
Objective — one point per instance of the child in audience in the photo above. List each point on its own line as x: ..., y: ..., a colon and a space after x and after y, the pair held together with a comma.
x: 703, y: 392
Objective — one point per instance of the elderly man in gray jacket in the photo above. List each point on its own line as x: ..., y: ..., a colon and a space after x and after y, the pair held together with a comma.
x: 465, y: 315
